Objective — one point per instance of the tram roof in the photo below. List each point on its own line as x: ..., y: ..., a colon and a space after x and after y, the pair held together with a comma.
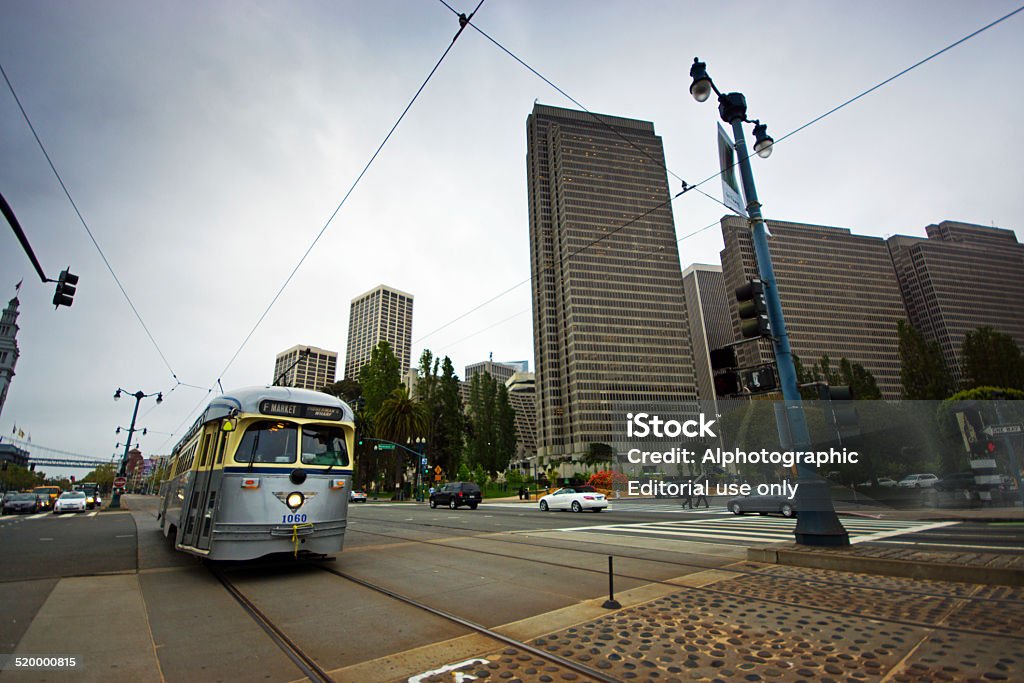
x: 248, y: 399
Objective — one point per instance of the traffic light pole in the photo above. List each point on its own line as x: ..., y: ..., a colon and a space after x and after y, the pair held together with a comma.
x: 817, y: 522
x: 115, y: 499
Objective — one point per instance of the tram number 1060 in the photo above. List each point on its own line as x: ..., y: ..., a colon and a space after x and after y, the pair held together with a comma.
x: 293, y: 519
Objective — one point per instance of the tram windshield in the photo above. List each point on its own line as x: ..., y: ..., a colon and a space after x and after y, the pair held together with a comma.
x: 324, y: 445
x: 268, y: 441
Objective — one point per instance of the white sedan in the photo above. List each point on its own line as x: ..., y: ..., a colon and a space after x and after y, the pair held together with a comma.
x: 70, y: 501
x: 575, y: 499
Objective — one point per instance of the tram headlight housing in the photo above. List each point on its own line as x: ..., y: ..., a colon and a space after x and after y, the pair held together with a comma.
x: 295, y: 500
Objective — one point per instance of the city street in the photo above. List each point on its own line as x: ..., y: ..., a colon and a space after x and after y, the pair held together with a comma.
x: 133, y: 609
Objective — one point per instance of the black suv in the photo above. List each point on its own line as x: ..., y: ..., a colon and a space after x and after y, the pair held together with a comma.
x: 455, y: 494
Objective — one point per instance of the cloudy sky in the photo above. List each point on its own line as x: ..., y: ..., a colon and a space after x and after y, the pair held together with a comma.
x: 206, y: 145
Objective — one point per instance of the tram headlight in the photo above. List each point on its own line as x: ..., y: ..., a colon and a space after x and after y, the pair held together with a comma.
x: 294, y: 501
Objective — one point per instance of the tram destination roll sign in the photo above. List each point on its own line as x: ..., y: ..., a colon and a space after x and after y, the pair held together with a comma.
x: 287, y: 409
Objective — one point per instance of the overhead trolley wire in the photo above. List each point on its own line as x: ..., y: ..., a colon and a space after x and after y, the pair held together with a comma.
x: 85, y: 225
x: 463, y: 22
x: 687, y: 187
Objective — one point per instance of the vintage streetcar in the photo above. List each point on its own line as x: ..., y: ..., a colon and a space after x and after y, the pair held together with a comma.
x: 263, y: 470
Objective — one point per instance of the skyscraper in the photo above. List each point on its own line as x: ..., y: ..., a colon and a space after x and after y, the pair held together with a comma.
x: 708, y: 306
x: 609, y: 315
x: 381, y: 314
x: 840, y: 296
x: 313, y: 370
x: 960, y: 278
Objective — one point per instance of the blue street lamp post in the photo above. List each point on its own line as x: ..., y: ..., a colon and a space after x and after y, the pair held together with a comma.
x: 817, y: 522
x: 115, y: 500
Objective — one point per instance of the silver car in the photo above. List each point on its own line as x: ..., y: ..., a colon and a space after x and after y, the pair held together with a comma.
x: 70, y: 501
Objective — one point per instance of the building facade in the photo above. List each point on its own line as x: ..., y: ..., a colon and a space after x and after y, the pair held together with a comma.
x: 381, y: 314
x: 8, y: 346
x: 501, y: 372
x: 609, y: 315
x: 839, y: 292
x: 522, y: 396
x: 961, y: 277
x: 710, y: 327
x: 305, y: 367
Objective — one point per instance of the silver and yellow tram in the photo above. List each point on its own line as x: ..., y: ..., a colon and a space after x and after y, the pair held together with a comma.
x: 263, y: 470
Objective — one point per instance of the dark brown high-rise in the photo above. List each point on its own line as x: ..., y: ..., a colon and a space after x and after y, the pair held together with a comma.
x: 609, y: 315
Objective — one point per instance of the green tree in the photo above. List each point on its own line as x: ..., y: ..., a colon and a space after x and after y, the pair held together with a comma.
x: 991, y: 359
x: 401, y: 419
x: 492, y: 432
x: 348, y: 390
x: 437, y: 388
x: 599, y: 454
x: 464, y: 473
x: 379, y: 377
x: 16, y: 478
x: 924, y: 373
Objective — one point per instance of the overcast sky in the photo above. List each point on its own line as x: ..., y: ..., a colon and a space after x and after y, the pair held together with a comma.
x: 207, y: 143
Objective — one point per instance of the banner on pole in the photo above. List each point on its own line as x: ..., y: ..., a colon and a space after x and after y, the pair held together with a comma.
x: 730, y: 184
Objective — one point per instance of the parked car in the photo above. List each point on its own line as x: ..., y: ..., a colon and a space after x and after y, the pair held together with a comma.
x: 573, y: 498
x: 24, y: 502
x: 882, y: 481
x: 961, y: 481
x: 70, y: 501
x: 762, y: 504
x: 456, y: 494
x: 913, y: 481
x: 357, y: 496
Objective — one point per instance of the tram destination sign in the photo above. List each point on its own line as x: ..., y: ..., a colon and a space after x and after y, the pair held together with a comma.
x: 288, y: 409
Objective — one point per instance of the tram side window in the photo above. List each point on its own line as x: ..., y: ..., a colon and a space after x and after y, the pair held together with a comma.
x: 324, y: 445
x: 268, y: 441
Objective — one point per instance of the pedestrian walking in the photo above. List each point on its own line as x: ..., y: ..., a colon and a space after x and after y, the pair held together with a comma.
x: 687, y: 488
x: 703, y: 481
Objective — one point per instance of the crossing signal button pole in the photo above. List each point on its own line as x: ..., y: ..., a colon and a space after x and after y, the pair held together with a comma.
x: 66, y: 285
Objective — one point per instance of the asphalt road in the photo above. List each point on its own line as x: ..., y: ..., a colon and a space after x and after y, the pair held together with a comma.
x: 142, y: 611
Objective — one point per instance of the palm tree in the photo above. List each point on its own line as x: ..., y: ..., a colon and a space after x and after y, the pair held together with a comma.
x: 401, y: 419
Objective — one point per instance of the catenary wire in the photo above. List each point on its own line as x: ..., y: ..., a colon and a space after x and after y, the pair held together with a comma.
x: 597, y: 117
x: 330, y: 219
x: 85, y: 225
x: 719, y: 173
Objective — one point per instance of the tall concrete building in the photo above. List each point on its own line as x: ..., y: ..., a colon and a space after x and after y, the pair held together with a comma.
x: 499, y: 371
x: 840, y: 296
x: 959, y: 278
x: 710, y: 326
x: 8, y: 345
x: 522, y: 396
x: 609, y: 315
x: 313, y: 370
x: 381, y: 314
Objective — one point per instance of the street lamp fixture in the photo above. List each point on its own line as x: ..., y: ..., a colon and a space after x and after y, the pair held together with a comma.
x: 817, y: 523
x: 115, y: 499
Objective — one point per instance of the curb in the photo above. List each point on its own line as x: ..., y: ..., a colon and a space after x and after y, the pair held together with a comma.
x: 1002, y: 576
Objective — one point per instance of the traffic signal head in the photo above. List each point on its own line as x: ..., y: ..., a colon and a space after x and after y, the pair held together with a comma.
x: 840, y: 411
x: 65, y: 292
x: 727, y: 384
x: 753, y: 309
x: 723, y: 359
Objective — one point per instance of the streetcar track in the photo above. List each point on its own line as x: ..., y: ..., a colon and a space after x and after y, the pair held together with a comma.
x: 593, y: 674
x: 306, y: 664
x: 711, y: 589
x: 690, y: 565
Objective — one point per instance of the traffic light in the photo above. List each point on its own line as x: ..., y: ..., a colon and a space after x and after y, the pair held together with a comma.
x: 840, y: 411
x: 727, y: 384
x: 972, y: 428
x: 753, y: 309
x: 65, y: 288
x: 723, y: 359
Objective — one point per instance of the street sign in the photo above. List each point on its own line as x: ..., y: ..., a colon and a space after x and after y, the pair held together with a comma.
x: 437, y: 469
x: 423, y: 460
x: 384, y: 447
x: 437, y: 477
x: 120, y: 482
x: 995, y: 430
